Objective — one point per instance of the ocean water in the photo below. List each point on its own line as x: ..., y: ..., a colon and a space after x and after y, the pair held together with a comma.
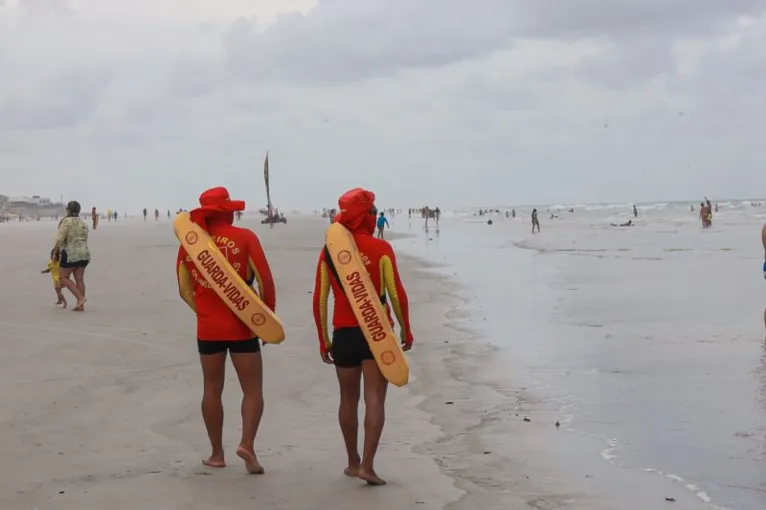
x: 649, y: 339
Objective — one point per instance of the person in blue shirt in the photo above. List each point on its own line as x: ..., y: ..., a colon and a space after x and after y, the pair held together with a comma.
x: 382, y: 223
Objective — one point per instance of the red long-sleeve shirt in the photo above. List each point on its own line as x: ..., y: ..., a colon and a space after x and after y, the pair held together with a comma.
x: 380, y: 262
x: 241, y: 247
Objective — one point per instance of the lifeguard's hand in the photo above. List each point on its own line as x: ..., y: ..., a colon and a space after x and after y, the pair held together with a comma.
x: 327, y: 358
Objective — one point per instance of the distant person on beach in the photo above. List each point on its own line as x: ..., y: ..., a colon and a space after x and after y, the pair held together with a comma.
x: 348, y: 349
x: 535, y: 221
x: 109, y: 215
x: 763, y: 239
x: 145, y: 213
x: 71, y: 250
x: 55, y: 272
x: 94, y: 217
x: 635, y: 211
x: 156, y: 215
x: 382, y: 224
x: 437, y: 215
x: 706, y: 215
x: 220, y: 332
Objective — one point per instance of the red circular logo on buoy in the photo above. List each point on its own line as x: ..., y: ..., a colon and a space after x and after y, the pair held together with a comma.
x: 192, y: 237
x: 258, y: 319
x: 387, y: 357
x: 344, y: 257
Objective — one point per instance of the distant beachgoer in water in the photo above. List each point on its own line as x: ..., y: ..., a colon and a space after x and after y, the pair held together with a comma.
x: 635, y: 211
x: 94, y: 216
x: 145, y: 213
x: 437, y: 215
x: 382, y: 224
x: 71, y: 249
x: 535, y: 221
x: 629, y: 223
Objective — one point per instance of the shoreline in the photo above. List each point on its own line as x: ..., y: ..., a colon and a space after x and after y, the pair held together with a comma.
x: 504, y: 461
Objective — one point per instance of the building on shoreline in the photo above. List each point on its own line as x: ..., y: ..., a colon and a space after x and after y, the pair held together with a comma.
x: 31, y: 207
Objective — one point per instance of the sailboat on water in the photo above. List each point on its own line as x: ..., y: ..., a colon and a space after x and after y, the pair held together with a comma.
x: 272, y: 214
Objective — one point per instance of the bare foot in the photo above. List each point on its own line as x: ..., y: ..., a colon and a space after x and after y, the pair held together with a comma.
x: 369, y: 476
x: 251, y: 462
x: 80, y: 307
x: 59, y: 302
x: 215, y: 462
x: 352, y: 471
x: 64, y: 304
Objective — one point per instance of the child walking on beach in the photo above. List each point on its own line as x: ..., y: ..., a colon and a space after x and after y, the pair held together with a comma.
x: 53, y: 269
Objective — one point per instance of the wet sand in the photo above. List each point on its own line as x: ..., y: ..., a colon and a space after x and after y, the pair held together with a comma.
x: 646, y: 344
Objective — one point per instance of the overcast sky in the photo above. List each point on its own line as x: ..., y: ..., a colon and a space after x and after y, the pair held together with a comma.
x: 145, y: 103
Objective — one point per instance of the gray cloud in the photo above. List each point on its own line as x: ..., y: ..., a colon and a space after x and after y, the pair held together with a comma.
x: 64, y: 100
x: 46, y: 8
x: 522, y: 95
x: 338, y: 42
x: 621, y: 19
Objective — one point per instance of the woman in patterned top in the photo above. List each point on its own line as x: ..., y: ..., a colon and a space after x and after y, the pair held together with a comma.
x: 73, y: 253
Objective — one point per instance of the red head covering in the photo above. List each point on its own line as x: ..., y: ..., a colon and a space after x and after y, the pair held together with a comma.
x: 356, y: 206
x: 216, y: 202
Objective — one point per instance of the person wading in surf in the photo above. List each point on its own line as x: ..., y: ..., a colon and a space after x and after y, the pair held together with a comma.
x: 219, y: 331
x: 348, y: 350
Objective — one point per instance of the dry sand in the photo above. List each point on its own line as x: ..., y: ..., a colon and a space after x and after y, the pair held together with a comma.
x: 100, y: 410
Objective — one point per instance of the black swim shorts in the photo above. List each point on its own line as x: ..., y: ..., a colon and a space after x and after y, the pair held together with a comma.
x: 233, y: 346
x: 350, y: 347
x: 65, y: 264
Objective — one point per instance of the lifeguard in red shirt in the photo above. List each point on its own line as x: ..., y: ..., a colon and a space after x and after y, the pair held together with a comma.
x: 348, y: 349
x: 219, y: 331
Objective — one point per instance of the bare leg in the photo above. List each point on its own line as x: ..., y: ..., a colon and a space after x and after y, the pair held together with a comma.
x: 213, y: 374
x: 60, y: 295
x: 249, y: 367
x: 349, y: 380
x: 79, y: 278
x: 67, y: 282
x: 375, y: 386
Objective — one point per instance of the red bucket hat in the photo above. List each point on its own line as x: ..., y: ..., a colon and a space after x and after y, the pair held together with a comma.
x: 354, y: 207
x: 214, y: 202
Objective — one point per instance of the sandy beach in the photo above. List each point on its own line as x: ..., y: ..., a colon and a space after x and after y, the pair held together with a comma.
x: 101, y: 409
